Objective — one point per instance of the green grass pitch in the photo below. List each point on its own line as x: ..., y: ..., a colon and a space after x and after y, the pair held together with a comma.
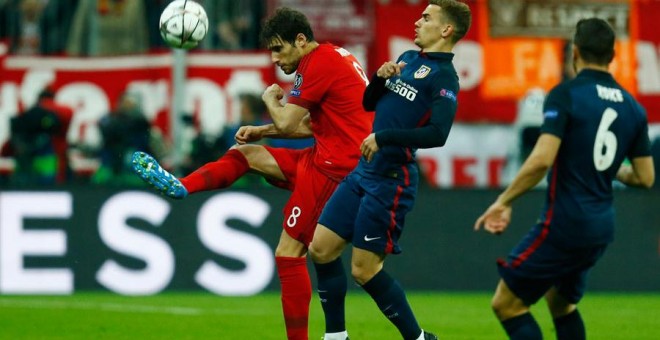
x: 451, y: 315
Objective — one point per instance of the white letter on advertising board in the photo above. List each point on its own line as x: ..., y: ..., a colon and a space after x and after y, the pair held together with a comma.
x: 122, y: 238
x: 216, y: 235
x: 16, y: 243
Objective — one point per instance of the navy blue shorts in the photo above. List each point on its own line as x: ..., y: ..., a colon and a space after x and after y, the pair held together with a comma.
x: 369, y: 211
x: 535, y: 265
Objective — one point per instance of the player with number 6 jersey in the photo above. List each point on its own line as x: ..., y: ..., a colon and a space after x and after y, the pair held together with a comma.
x: 591, y: 125
x: 603, y: 124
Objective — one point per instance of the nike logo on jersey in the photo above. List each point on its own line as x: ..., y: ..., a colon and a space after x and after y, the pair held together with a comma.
x: 368, y: 239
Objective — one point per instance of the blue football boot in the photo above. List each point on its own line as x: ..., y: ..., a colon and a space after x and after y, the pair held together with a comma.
x: 151, y: 172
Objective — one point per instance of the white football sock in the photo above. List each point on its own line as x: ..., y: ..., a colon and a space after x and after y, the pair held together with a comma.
x: 421, y: 336
x: 336, y: 336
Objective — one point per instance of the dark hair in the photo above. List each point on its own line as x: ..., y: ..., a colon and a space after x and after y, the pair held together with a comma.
x: 458, y: 14
x: 285, y: 24
x: 594, y: 39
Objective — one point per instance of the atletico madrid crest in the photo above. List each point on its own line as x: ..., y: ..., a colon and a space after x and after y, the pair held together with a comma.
x: 422, y: 72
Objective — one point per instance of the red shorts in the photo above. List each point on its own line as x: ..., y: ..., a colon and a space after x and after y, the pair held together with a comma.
x: 310, y: 190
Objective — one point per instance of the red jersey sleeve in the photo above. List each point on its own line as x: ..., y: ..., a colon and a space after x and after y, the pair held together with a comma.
x: 311, y: 82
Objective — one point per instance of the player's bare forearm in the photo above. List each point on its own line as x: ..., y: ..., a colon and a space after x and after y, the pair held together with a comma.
x: 277, y: 114
x: 534, y: 169
x: 286, y: 118
x: 497, y: 217
x: 302, y: 131
x: 640, y: 174
x: 528, y: 177
x: 250, y: 133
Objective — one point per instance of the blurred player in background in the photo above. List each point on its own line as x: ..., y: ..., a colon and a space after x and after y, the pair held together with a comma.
x: 325, y: 103
x: 591, y: 124
x: 415, y: 103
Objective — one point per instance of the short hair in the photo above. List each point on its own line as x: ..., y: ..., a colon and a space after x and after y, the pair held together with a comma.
x: 286, y: 24
x: 458, y: 14
x: 594, y: 39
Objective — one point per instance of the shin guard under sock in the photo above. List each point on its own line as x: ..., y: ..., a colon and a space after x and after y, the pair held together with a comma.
x: 570, y: 326
x: 296, y: 295
x: 391, y: 300
x: 332, y: 288
x: 522, y: 327
x: 219, y: 174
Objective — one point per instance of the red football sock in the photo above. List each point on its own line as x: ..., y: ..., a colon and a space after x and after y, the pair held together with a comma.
x: 219, y: 174
x: 296, y: 295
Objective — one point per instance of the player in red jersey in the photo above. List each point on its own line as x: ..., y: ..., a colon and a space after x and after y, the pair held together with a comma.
x: 326, y: 103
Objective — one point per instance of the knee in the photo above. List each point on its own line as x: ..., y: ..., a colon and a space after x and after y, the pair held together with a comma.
x: 362, y: 274
x: 249, y: 151
x: 507, y: 308
x: 558, y: 309
x: 289, y: 247
x: 498, y: 307
x: 321, y: 254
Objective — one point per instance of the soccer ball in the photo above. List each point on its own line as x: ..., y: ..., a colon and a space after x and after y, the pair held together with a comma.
x: 183, y: 24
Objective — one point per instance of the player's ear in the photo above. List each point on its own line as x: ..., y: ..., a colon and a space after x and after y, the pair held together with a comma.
x: 301, y: 40
x: 447, y: 31
x: 575, y: 51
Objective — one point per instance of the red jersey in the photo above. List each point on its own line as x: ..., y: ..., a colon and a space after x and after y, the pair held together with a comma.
x: 330, y: 82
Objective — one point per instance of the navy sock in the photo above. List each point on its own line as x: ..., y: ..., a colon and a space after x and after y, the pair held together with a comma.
x: 332, y: 287
x: 391, y: 300
x: 570, y: 326
x: 522, y: 327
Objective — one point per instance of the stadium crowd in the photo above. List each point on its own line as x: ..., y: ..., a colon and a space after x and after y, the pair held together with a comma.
x: 117, y: 27
x: 96, y: 28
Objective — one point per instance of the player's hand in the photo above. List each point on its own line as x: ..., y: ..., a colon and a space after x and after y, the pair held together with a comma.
x: 390, y: 69
x: 248, y: 133
x: 495, y: 219
x: 273, y: 92
x: 369, y: 147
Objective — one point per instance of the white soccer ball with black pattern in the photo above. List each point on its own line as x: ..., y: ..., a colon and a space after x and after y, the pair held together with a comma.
x: 183, y: 24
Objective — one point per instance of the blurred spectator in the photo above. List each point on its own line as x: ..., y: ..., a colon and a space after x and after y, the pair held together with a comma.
x: 36, y: 26
x: 153, y: 10
x: 526, y: 129
x: 38, y: 142
x: 655, y: 152
x: 237, y: 23
x: 124, y: 131
x: 108, y: 27
x: 58, y: 138
x: 252, y: 112
x: 25, y: 31
x: 55, y: 25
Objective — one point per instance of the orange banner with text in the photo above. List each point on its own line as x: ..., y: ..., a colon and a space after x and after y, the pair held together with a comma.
x: 513, y: 65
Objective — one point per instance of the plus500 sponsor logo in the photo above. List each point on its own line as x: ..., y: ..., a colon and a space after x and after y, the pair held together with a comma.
x: 126, y: 255
x: 402, y: 89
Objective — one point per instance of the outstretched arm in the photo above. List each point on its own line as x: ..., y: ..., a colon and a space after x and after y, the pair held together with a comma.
x: 250, y: 133
x: 498, y: 215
